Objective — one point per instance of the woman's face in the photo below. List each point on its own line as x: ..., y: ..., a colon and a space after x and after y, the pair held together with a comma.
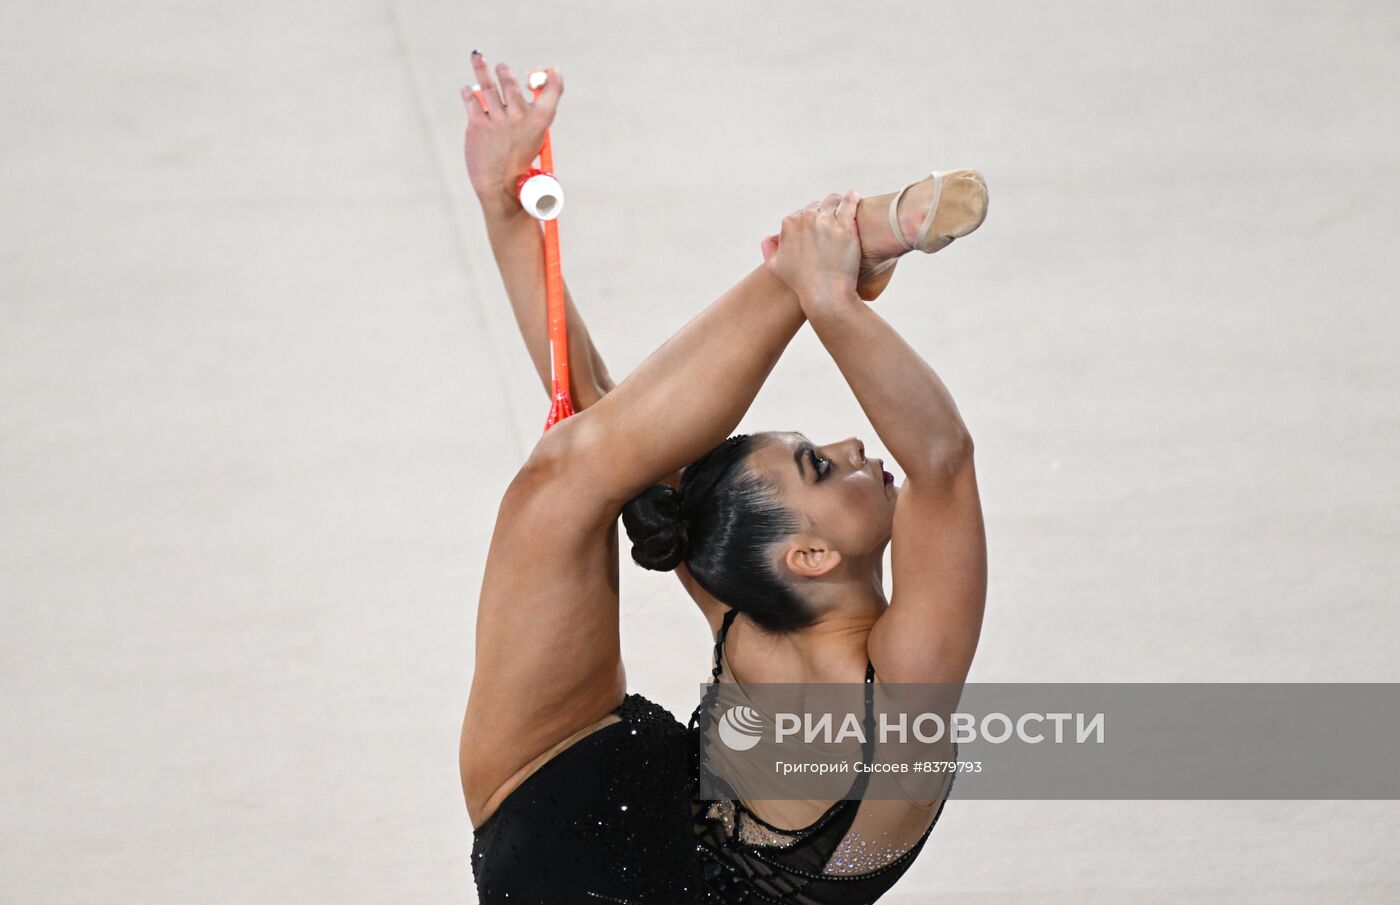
x: 843, y: 498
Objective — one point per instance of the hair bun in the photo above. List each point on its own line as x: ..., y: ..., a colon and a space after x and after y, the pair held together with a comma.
x: 657, y: 529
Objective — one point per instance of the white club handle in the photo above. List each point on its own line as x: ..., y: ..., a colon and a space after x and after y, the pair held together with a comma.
x: 542, y: 197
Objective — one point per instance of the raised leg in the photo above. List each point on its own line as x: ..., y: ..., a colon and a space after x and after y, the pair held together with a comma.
x: 547, y: 650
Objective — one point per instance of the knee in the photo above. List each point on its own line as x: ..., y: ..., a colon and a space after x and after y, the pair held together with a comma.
x: 558, y: 463
x: 527, y: 490
x: 567, y: 449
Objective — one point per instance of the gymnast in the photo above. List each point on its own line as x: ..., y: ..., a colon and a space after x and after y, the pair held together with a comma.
x: 581, y: 792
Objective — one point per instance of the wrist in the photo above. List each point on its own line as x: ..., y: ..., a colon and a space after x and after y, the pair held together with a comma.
x: 499, y: 202
x: 829, y: 301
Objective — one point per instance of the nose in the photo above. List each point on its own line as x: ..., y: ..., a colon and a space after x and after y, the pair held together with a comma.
x: 857, y: 452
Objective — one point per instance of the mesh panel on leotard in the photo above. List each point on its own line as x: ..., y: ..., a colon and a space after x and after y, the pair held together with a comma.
x: 850, y: 855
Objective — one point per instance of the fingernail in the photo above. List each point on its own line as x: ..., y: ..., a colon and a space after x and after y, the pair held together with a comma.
x: 476, y: 53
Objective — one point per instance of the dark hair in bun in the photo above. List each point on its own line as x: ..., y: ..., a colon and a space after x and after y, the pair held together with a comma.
x: 721, y: 523
x: 656, y: 528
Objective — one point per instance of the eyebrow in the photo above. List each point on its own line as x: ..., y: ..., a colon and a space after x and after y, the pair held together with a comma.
x: 799, y: 455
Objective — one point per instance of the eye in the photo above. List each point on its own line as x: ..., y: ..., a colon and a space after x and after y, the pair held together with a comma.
x: 821, y: 465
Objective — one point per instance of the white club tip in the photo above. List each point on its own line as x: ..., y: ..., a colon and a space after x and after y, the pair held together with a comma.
x: 542, y: 197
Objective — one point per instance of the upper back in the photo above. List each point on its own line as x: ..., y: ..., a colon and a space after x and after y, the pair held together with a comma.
x: 843, y: 851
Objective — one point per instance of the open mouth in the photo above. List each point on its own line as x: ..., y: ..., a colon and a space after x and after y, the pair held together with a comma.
x: 889, y: 478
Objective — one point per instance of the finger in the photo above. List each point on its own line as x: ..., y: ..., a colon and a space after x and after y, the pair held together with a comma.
x: 811, y: 209
x: 510, y: 88
x: 547, y: 101
x: 768, y: 247
x: 829, y: 203
x: 476, y: 111
x: 791, y: 223
x: 846, y: 210
x: 484, y: 89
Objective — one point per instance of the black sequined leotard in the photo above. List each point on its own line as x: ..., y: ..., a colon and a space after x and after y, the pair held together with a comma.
x: 612, y: 819
x: 751, y: 862
x: 607, y: 820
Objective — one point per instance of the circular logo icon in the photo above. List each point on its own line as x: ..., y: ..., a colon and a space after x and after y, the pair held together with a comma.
x: 740, y: 728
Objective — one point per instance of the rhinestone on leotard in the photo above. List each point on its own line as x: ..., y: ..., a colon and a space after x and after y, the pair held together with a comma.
x: 723, y: 811
x: 755, y: 833
x: 859, y: 855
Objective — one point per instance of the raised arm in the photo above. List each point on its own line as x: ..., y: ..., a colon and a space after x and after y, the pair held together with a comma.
x: 502, y: 140
x: 939, y: 553
x: 686, y: 397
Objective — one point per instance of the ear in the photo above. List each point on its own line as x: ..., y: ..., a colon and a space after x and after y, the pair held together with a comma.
x: 811, y: 557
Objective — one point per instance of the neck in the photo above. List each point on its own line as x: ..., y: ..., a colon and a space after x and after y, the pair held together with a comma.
x: 847, y: 609
x: 853, y: 595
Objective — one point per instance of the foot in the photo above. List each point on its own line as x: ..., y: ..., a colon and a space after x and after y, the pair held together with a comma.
x: 962, y: 206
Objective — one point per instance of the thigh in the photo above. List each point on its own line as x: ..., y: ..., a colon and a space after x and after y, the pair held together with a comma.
x: 548, y: 656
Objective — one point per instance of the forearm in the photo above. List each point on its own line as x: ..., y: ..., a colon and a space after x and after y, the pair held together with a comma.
x: 903, y: 397
x: 517, y: 244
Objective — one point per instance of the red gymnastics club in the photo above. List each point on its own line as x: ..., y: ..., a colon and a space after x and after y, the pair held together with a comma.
x: 543, y: 198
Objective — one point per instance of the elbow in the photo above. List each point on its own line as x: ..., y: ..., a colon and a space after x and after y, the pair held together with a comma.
x: 959, y: 449
x: 952, y: 455
x: 947, y: 460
